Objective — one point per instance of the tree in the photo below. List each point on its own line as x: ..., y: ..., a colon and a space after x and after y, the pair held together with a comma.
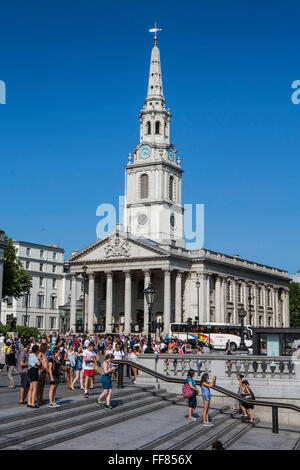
x: 16, y: 280
x: 294, y: 304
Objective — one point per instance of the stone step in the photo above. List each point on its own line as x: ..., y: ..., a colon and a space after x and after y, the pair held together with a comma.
x: 95, y: 422
x: 78, y: 400
x: 185, y: 439
x: 33, y: 418
x: 172, y: 437
x: 232, y: 429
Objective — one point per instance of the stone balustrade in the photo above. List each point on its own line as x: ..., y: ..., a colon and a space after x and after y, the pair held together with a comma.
x: 279, y: 367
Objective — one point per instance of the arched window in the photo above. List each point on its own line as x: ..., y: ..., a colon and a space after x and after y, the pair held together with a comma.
x: 148, y: 126
x: 157, y: 127
x: 171, y: 188
x: 144, y: 187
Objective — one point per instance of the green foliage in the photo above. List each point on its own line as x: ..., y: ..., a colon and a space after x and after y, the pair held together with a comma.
x: 4, y: 329
x: 27, y: 331
x: 294, y: 304
x: 16, y: 280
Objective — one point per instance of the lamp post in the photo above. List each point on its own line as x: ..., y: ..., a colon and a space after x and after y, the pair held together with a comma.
x: 26, y: 305
x: 198, y: 283
x: 149, y: 294
x: 84, y: 275
x: 242, y: 315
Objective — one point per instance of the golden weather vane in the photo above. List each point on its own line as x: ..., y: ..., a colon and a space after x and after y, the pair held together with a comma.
x: 155, y: 30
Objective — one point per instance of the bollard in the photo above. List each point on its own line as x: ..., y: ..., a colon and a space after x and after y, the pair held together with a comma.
x: 275, y: 419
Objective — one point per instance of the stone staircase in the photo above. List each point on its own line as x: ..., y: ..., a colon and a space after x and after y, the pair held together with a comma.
x: 142, y: 418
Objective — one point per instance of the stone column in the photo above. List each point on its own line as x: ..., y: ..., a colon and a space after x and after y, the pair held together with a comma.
x: 167, y: 300
x: 235, y: 301
x: 91, y: 303
x: 109, y: 301
x: 73, y: 303
x: 147, y: 280
x: 218, y: 300
x: 265, y: 306
x: 127, y: 303
x: 178, y: 297
x: 285, y: 309
x: 223, y: 308
x: 207, y: 315
x: 255, y: 318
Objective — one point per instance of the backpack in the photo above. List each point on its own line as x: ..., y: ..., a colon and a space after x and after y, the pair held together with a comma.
x: 73, y: 360
x: 186, y: 391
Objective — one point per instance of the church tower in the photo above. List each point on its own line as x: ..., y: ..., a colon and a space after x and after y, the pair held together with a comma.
x: 153, y: 206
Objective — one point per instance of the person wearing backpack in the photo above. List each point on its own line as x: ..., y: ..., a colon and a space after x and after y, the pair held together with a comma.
x: 247, y: 393
x: 190, y: 391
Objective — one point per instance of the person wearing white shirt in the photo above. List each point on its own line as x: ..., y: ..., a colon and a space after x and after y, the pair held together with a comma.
x: 89, y: 359
x: 119, y: 355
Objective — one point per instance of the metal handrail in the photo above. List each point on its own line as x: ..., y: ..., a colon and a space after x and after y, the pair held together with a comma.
x: 158, y: 375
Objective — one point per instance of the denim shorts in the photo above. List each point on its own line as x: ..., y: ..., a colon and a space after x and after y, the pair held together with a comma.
x: 205, y: 397
x: 106, y: 382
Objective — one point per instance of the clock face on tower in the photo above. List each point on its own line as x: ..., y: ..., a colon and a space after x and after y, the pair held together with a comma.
x: 145, y: 151
x: 171, y: 155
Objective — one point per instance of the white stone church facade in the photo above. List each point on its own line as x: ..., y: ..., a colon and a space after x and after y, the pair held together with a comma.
x: 150, y: 247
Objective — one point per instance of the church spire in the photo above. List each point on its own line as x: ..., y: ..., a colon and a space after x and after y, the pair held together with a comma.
x: 155, y: 88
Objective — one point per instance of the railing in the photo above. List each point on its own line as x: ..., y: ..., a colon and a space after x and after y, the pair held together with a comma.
x: 253, y: 366
x: 177, y: 380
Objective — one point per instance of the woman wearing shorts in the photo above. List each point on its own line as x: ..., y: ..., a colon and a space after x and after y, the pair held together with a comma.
x: 33, y: 376
x: 54, y: 373
x: 78, y: 366
x: 106, y: 381
x: 205, y: 391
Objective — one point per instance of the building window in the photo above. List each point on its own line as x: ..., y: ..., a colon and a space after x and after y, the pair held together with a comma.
x: 171, y: 188
x: 7, y: 319
x: 148, y: 127
x: 229, y: 292
x: 41, y: 282
x: 40, y: 301
x: 53, y: 283
x: 157, y: 127
x: 54, y: 268
x: 25, y: 320
x: 26, y: 297
x: 54, y: 255
x: 144, y: 187
x: 39, y: 322
x: 52, y: 323
x: 27, y: 251
x: 10, y: 301
x: 269, y: 321
x: 41, y: 253
x: 260, y: 320
x: 27, y: 265
x: 41, y: 266
x: 53, y: 302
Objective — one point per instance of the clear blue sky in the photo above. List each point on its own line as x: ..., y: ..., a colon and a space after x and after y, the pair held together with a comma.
x: 76, y: 74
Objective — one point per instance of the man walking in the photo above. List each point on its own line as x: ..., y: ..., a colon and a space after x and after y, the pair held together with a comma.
x: 89, y: 359
x: 23, y: 371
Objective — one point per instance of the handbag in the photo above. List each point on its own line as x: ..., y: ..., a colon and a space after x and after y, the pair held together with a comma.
x: 97, y: 370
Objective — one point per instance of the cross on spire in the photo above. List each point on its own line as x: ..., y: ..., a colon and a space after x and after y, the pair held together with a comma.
x: 155, y: 30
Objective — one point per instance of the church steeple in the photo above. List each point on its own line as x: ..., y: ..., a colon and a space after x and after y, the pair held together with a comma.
x: 153, y: 174
x: 155, y: 87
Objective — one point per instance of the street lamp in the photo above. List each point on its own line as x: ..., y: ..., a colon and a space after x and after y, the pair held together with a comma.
x: 242, y: 315
x: 198, y: 283
x: 26, y: 305
x: 250, y: 297
x: 84, y: 275
x: 149, y: 294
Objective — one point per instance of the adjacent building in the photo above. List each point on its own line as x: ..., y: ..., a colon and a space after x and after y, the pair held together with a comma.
x: 150, y: 248
x: 50, y: 287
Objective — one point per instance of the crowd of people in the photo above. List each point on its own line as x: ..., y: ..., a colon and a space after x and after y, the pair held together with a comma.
x: 75, y: 359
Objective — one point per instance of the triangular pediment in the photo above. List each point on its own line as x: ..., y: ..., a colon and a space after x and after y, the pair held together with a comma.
x: 118, y: 246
